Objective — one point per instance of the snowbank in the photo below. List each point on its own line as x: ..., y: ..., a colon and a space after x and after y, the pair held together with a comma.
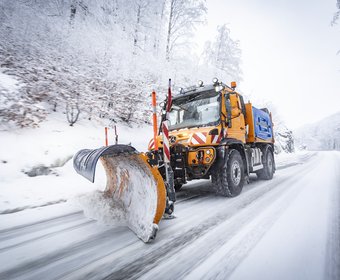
x: 8, y: 83
x: 51, y: 147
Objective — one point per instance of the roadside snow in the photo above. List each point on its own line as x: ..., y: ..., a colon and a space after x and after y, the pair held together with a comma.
x: 8, y: 83
x: 52, y: 145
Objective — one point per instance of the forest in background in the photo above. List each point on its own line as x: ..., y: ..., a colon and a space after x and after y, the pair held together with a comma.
x: 103, y: 58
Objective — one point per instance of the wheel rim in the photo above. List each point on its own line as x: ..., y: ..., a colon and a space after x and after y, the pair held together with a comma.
x: 236, y: 172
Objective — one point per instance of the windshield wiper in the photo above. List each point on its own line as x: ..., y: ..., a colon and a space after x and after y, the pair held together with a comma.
x: 195, y: 97
x: 184, y: 109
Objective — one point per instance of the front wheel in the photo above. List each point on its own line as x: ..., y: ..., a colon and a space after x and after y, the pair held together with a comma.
x: 267, y: 172
x: 229, y: 180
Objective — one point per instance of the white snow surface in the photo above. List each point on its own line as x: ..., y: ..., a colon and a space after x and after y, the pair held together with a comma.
x: 300, y: 236
x: 60, y: 226
x: 8, y: 83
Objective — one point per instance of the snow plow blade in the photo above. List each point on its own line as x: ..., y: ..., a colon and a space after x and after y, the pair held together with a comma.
x: 132, y: 183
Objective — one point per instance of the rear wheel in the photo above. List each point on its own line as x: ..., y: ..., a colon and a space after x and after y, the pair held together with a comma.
x: 268, y: 166
x: 228, y: 180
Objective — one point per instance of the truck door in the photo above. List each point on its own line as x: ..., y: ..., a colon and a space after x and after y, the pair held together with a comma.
x: 237, y: 129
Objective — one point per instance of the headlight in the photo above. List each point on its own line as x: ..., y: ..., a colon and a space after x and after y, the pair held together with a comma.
x: 215, y: 81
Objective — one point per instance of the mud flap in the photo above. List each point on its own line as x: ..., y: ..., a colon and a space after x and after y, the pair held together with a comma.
x: 132, y: 184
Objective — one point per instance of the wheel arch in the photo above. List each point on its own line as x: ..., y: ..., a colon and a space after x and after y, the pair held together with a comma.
x: 238, y: 145
x: 264, y: 148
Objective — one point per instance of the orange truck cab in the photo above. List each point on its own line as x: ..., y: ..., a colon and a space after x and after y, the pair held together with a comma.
x: 214, y: 134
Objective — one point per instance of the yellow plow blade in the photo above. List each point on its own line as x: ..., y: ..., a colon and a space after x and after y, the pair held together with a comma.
x: 132, y: 184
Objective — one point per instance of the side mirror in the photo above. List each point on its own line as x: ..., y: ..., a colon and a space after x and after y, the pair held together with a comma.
x: 228, y: 108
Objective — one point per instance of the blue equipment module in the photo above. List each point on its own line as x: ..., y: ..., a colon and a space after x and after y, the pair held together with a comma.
x: 262, y: 124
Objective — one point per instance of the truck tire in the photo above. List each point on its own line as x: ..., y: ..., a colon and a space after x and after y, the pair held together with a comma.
x: 268, y: 166
x: 229, y: 180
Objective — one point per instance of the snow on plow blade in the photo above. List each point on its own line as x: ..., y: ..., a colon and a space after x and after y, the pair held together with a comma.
x: 132, y: 184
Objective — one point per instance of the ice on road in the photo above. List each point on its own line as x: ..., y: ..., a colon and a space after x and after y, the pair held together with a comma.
x: 286, y: 228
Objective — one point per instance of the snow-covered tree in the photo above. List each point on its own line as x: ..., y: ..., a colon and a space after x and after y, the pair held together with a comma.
x: 224, y: 54
x: 284, y: 139
x: 337, y: 13
x: 183, y: 17
x: 322, y: 135
x: 104, y: 56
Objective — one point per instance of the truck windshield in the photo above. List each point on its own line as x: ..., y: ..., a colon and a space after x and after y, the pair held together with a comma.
x: 195, y: 110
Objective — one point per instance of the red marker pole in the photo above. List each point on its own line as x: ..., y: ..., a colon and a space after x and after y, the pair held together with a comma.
x: 165, y: 130
x: 154, y: 120
x: 169, y: 175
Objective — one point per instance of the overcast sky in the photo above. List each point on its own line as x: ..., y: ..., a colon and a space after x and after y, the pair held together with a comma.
x: 288, y: 53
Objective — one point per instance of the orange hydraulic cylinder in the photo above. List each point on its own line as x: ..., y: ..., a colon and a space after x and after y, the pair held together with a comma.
x: 154, y: 119
x: 106, y: 139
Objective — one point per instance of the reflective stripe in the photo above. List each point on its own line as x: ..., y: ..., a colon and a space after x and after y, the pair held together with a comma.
x: 167, y: 154
x: 199, y: 138
x: 217, y: 138
x: 166, y: 148
x: 152, y: 144
x: 193, y: 141
x: 214, y: 139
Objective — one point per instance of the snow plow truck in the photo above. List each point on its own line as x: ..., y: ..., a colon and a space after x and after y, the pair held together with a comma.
x: 206, y: 131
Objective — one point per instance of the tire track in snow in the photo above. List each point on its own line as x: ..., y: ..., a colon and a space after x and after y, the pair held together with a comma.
x: 14, y: 232
x: 18, y: 209
x: 333, y: 246
x: 24, y: 269
x: 47, y: 235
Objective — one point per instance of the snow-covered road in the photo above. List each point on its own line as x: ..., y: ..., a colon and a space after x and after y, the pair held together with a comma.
x: 286, y: 228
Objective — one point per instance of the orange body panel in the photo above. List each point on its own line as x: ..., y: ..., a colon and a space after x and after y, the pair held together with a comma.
x: 207, y: 156
x: 161, y: 191
x: 250, y: 123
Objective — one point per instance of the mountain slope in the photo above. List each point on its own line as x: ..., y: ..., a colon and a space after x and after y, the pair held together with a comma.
x: 322, y: 135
